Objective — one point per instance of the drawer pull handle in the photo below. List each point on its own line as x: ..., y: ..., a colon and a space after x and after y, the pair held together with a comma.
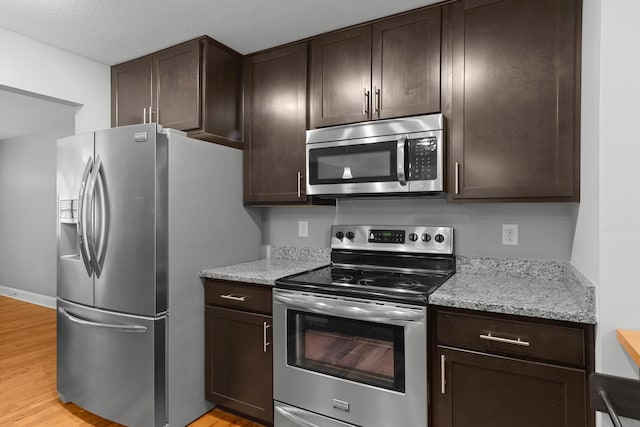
x: 518, y: 341
x: 233, y: 297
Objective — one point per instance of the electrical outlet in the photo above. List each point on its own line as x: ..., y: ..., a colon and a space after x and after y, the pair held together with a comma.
x: 509, y: 234
x: 303, y: 228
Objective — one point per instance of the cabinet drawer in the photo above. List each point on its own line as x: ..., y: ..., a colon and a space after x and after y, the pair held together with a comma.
x: 532, y: 340
x: 238, y: 295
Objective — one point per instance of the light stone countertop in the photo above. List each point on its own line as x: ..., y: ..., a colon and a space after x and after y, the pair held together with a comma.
x: 551, y: 290
x: 283, y: 261
x: 264, y: 272
x: 542, y: 289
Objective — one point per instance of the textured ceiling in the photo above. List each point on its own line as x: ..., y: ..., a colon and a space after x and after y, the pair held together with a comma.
x: 113, y: 31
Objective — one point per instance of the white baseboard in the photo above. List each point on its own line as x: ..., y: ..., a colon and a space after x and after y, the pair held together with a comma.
x: 32, y: 297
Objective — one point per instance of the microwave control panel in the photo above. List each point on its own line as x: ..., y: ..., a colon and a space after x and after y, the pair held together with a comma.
x: 423, y: 159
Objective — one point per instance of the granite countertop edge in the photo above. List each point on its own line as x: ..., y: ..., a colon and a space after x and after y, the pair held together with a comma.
x: 541, y: 289
x: 282, y: 261
x: 551, y: 314
x: 564, y: 295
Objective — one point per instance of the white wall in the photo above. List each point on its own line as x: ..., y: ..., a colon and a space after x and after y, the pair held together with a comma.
x: 27, y: 166
x: 39, y: 68
x: 28, y: 211
x: 608, y: 223
x: 545, y: 229
x: 619, y: 291
x: 280, y: 225
x: 586, y: 244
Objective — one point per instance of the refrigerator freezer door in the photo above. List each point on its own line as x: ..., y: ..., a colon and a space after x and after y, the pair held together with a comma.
x: 112, y: 364
x: 74, y: 158
x: 134, y: 177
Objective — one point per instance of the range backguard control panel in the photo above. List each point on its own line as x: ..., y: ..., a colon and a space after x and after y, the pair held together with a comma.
x: 386, y: 236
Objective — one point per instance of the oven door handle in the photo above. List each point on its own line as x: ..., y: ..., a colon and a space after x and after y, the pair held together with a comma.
x: 379, y: 314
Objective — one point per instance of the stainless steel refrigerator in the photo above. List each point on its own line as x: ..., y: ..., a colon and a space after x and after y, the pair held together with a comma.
x: 141, y: 210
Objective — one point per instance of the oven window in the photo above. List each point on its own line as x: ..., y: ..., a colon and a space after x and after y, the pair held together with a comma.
x: 365, y: 352
x: 375, y: 162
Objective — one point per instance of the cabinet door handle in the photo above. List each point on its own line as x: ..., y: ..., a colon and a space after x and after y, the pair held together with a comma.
x: 150, y: 114
x: 365, y: 108
x: 265, y: 326
x: 443, y: 380
x: 144, y: 116
x: 299, y: 184
x: 518, y: 341
x: 233, y: 297
x: 457, y: 178
x: 377, y: 92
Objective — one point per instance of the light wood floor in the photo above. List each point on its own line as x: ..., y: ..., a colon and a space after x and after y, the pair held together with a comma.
x: 28, y: 395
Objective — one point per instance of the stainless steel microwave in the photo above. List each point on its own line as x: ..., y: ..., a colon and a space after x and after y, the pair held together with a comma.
x: 380, y: 157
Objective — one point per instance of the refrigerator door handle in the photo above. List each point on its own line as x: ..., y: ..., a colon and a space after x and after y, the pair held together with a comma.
x: 82, y: 218
x: 112, y: 326
x: 104, y: 220
x: 97, y: 254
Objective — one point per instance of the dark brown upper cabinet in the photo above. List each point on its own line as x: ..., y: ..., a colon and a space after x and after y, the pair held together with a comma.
x: 405, y: 65
x: 177, y: 88
x: 131, y: 92
x: 511, y: 94
x: 341, y: 77
x: 275, y: 84
x: 194, y: 86
x: 387, y: 69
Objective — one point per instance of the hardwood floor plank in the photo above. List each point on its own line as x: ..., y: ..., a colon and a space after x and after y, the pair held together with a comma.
x: 28, y: 395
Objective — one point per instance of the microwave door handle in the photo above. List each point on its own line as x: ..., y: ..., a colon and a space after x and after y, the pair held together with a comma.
x: 400, y: 160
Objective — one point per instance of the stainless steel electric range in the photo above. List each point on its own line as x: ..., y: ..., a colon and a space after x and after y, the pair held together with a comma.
x: 350, y: 339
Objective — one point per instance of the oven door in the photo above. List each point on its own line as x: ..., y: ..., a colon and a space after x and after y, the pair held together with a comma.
x: 357, y: 166
x: 349, y: 359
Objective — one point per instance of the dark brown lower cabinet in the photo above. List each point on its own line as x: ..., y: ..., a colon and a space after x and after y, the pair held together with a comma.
x: 500, y: 370
x: 482, y: 390
x: 239, y: 361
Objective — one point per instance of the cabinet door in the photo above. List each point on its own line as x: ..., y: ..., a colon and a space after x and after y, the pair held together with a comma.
x: 239, y: 361
x: 515, y: 98
x: 275, y: 122
x: 131, y: 92
x: 177, y: 88
x: 406, y: 65
x: 222, y: 95
x: 489, y: 391
x: 341, y: 77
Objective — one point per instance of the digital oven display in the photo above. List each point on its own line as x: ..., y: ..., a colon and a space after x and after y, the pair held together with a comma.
x: 386, y: 236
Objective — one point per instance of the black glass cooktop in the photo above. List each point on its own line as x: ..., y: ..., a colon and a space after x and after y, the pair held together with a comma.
x: 387, y: 285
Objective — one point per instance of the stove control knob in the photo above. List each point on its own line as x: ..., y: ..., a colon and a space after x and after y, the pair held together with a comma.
x: 413, y: 237
x: 426, y: 237
x: 350, y: 235
x: 339, y: 235
x: 439, y: 238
